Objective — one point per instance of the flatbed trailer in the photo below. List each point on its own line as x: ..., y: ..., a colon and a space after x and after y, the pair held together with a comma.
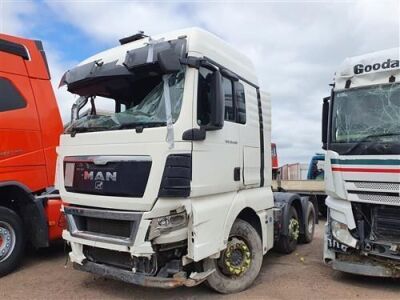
x: 314, y: 189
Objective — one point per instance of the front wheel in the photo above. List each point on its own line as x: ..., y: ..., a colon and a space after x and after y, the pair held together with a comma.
x: 239, y: 264
x: 12, y: 240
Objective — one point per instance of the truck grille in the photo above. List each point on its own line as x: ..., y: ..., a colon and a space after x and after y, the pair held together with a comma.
x: 391, y: 186
x: 124, y: 260
x: 374, y: 192
x: 109, y: 226
x: 386, y: 222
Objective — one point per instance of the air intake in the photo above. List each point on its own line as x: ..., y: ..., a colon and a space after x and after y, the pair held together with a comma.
x: 177, y: 176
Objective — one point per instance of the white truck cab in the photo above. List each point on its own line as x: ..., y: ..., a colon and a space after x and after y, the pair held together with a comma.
x: 173, y: 186
x: 361, y: 133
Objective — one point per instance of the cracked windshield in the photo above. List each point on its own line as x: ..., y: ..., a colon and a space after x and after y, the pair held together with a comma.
x: 367, y: 114
x: 143, y: 104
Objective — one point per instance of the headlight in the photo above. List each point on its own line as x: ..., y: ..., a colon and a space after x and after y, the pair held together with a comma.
x: 341, y: 232
x: 171, y: 222
x: 167, y: 223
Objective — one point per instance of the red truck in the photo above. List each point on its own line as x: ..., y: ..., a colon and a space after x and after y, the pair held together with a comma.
x: 30, y: 126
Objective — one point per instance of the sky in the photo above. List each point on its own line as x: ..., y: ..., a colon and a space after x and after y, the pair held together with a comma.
x: 296, y: 46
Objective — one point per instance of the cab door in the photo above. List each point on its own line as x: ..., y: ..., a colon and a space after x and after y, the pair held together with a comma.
x: 21, y: 153
x: 216, y: 164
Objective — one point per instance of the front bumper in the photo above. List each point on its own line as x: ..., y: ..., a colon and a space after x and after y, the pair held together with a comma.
x: 370, y: 258
x: 179, y: 279
x: 115, y: 230
x: 366, y: 266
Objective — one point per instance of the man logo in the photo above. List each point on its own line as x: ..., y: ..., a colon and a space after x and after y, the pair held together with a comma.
x: 98, y: 185
x: 100, y: 176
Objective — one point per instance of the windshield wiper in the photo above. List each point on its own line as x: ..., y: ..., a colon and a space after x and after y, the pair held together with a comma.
x: 76, y: 130
x: 141, y: 125
x: 366, y: 139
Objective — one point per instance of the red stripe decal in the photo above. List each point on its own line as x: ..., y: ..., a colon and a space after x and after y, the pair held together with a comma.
x: 362, y: 170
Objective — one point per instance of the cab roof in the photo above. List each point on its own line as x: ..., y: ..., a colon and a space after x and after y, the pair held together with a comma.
x: 369, y: 69
x: 200, y: 43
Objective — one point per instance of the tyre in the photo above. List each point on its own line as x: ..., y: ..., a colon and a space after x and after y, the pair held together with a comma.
x: 309, y: 226
x: 240, y: 263
x: 287, y: 244
x: 12, y: 240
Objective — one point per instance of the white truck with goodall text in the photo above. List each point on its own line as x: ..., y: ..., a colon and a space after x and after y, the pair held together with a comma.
x: 361, y: 133
x: 173, y: 187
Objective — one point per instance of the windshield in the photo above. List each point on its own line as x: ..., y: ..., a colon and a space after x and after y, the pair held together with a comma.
x: 143, y: 102
x: 367, y: 114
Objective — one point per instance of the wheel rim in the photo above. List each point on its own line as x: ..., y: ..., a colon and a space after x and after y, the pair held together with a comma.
x: 294, y: 229
x: 7, y: 240
x: 236, y: 259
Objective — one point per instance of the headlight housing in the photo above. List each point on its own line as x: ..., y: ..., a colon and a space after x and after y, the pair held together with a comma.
x: 341, y: 232
x: 168, y: 223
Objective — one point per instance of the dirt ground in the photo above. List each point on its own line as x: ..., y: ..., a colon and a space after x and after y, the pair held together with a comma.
x: 301, y: 275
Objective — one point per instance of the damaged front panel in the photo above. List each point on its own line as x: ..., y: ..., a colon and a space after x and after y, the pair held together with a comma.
x: 140, y: 62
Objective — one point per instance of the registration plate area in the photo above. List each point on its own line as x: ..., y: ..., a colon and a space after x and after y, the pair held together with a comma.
x: 123, y: 178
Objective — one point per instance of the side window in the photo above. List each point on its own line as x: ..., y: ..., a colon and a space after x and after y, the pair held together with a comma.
x: 203, y: 97
x: 234, y: 96
x: 240, y: 103
x: 10, y: 98
x: 229, y: 104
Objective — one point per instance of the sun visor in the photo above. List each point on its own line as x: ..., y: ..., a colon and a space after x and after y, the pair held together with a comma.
x: 88, y: 72
x: 147, y: 57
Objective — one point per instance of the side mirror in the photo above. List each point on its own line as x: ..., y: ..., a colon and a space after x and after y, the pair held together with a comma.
x: 217, y: 103
x: 77, y: 106
x: 169, y: 61
x: 325, y: 118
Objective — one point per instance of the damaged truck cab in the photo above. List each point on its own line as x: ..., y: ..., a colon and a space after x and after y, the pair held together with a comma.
x: 361, y: 133
x: 172, y: 186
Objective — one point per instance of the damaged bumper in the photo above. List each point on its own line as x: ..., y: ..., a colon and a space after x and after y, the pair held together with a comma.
x: 179, y: 279
x: 367, y: 267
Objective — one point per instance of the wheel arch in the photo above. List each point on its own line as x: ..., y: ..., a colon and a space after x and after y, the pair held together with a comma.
x: 250, y: 216
x: 285, y: 201
x: 19, y: 198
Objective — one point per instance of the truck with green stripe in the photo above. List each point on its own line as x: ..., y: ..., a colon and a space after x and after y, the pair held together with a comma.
x: 361, y: 133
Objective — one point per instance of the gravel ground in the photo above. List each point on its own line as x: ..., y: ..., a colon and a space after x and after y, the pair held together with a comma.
x: 301, y: 275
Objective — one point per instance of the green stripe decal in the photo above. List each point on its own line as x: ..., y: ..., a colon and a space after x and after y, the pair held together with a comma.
x: 368, y: 162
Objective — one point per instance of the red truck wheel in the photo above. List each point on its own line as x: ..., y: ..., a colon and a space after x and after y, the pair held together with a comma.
x: 12, y: 240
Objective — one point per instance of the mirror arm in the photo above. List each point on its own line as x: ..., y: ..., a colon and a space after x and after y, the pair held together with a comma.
x: 191, y: 61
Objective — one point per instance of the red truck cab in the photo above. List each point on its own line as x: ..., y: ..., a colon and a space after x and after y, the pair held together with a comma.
x: 30, y: 126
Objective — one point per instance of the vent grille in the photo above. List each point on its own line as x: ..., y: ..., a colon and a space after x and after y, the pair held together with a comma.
x: 109, y: 227
x: 374, y: 192
x: 384, y: 199
x: 386, y: 222
x: 391, y: 186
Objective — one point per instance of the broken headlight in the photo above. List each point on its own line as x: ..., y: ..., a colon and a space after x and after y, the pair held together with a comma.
x: 341, y: 233
x: 166, y: 224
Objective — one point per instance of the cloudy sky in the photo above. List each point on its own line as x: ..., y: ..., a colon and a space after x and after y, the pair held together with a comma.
x: 295, y: 45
